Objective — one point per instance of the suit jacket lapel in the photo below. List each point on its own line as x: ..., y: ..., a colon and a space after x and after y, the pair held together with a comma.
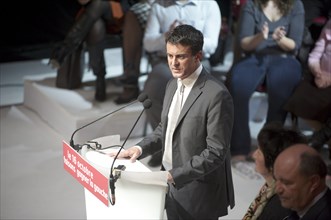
x: 194, y: 94
x: 168, y: 99
x: 170, y: 91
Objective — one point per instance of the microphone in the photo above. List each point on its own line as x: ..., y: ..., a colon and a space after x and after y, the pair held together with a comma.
x: 113, y: 178
x: 141, y: 98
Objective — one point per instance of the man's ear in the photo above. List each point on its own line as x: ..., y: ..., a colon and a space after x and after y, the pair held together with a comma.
x: 198, y: 56
x: 315, y: 182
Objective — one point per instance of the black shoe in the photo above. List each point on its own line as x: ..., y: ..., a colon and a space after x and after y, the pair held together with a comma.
x: 156, y: 159
x: 129, y: 94
x: 100, y: 90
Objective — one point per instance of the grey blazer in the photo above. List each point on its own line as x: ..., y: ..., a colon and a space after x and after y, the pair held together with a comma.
x: 201, y: 148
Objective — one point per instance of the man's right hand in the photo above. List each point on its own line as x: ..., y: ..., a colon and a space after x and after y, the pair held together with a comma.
x: 132, y: 153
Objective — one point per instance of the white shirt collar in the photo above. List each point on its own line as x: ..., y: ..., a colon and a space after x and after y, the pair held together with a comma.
x: 190, y: 80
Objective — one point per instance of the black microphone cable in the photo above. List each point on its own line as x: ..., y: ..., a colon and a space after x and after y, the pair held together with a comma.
x: 112, y: 179
x: 141, y: 98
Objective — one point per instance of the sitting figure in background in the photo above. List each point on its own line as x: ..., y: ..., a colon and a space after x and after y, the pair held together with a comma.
x: 319, y: 63
x: 315, y: 91
x: 316, y: 14
x: 133, y: 32
x: 300, y: 183
x: 94, y: 21
x: 319, y: 58
x: 270, y: 34
x: 272, y: 139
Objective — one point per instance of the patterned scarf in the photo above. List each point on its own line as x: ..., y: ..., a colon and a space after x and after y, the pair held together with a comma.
x: 260, y: 201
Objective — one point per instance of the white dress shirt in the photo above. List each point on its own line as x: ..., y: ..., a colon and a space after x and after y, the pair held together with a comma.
x: 204, y: 15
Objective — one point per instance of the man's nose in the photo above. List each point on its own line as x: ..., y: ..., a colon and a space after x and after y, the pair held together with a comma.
x: 278, y: 188
x: 175, y: 62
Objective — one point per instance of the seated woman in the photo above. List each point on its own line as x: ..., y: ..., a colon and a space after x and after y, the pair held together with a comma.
x: 94, y: 21
x: 270, y: 34
x: 319, y: 65
x: 272, y: 139
x: 315, y: 91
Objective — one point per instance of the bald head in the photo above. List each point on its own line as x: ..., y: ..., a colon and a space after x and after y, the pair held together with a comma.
x: 292, y: 155
x: 302, y: 158
x: 300, y: 175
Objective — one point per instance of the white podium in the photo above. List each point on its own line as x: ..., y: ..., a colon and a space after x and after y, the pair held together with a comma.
x: 140, y: 193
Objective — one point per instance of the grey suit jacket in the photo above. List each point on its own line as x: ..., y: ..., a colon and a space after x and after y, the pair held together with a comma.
x: 201, y: 148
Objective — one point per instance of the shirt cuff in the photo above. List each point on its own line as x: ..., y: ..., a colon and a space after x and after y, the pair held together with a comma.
x: 139, y: 148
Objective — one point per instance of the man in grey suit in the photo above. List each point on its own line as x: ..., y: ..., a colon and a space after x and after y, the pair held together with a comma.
x: 195, y: 146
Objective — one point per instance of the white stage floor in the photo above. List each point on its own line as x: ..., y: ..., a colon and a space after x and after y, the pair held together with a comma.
x: 34, y: 184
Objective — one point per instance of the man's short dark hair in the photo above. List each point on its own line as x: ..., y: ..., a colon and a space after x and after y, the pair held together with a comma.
x: 186, y: 35
x: 312, y: 164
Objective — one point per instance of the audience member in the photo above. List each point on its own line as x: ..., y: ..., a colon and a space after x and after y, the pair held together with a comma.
x: 225, y: 34
x: 300, y: 183
x: 319, y: 65
x: 195, y: 147
x: 319, y: 58
x: 315, y: 90
x: 92, y: 24
x: 272, y: 139
x: 270, y: 35
x: 316, y: 9
x: 316, y: 14
x: 133, y: 32
x: 236, y: 11
x: 164, y: 16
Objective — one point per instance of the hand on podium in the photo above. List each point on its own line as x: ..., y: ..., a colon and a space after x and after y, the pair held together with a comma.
x: 170, y: 179
x: 132, y: 153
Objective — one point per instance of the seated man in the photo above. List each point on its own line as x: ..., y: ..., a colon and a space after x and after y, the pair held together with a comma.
x: 300, y: 183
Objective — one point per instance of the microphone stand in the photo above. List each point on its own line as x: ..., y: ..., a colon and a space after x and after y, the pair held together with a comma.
x: 113, y: 178
x: 141, y: 98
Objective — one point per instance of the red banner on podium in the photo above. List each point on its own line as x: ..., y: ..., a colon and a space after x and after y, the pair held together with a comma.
x: 85, y: 174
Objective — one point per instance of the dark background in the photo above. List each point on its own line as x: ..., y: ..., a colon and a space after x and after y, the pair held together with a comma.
x: 29, y: 29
